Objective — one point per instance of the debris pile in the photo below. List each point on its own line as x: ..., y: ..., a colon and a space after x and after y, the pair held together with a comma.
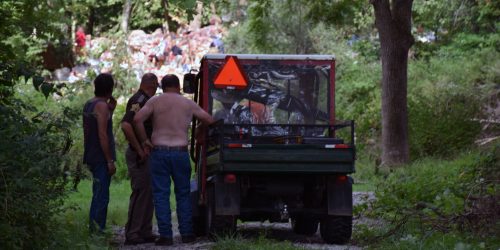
x: 158, y: 52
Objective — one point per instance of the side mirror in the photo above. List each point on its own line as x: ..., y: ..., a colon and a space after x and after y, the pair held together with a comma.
x: 189, y: 83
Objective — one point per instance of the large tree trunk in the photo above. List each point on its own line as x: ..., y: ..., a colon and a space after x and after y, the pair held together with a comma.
x: 127, y: 10
x: 393, y: 21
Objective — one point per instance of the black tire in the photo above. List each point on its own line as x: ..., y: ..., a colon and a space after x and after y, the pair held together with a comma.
x: 336, y: 229
x: 304, y: 225
x: 218, y: 225
x: 199, y: 223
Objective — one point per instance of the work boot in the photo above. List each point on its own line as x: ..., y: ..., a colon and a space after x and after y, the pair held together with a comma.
x: 188, y: 238
x: 150, y: 239
x: 136, y: 241
x: 164, y: 241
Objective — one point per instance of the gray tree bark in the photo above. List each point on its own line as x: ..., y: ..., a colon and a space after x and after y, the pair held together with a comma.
x: 393, y: 21
x: 167, y: 24
x: 127, y: 11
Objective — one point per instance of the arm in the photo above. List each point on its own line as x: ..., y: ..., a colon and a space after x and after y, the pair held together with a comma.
x: 202, y: 115
x: 139, y: 119
x: 205, y: 118
x: 102, y: 113
x: 128, y: 130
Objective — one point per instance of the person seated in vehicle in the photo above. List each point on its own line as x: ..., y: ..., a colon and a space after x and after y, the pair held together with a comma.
x: 227, y: 107
x: 233, y: 108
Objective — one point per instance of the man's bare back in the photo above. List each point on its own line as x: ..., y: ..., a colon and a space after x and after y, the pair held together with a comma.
x: 172, y: 114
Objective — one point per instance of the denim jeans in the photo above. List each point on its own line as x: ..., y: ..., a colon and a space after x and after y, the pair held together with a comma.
x: 100, y: 196
x: 165, y: 164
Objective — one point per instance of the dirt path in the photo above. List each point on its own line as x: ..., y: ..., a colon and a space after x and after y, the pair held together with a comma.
x: 276, y: 231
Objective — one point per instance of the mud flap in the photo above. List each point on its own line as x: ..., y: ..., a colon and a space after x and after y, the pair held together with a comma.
x: 227, y: 198
x: 339, y: 196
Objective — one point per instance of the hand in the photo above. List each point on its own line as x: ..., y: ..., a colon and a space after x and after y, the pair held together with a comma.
x: 111, y: 168
x: 199, y: 135
x: 147, y: 146
x: 142, y: 155
x: 112, y: 103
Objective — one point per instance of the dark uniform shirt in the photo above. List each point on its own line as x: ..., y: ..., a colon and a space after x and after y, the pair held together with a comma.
x: 134, y: 104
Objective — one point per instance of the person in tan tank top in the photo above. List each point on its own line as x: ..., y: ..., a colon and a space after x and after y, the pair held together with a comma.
x: 168, y: 155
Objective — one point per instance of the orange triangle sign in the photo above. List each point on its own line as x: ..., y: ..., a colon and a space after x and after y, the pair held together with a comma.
x: 231, y: 75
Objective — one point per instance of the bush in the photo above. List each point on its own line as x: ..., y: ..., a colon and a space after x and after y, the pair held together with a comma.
x: 32, y: 176
x: 446, y: 96
x: 442, y: 197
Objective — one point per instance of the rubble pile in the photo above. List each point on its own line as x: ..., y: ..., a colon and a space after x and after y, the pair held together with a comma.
x: 158, y: 52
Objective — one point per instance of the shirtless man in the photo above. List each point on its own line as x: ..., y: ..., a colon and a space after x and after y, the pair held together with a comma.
x: 171, y: 114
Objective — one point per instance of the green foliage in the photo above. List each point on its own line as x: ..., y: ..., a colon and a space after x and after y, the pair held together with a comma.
x: 72, y: 231
x: 33, y: 142
x: 438, y: 241
x: 258, y: 26
x: 365, y: 176
x: 453, y: 86
x: 435, y: 197
x: 341, y: 12
x: 466, y: 44
x: 454, y: 16
x: 368, y: 48
x: 270, y: 28
x: 32, y: 188
x: 26, y: 26
x: 454, y: 89
x: 150, y: 15
x: 238, y: 41
x: 147, y: 15
x: 98, y: 16
x: 462, y: 23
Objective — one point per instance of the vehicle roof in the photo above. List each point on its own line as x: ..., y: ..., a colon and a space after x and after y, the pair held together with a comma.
x: 271, y: 57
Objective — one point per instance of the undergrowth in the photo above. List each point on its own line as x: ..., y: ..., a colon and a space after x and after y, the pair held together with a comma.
x: 437, y: 204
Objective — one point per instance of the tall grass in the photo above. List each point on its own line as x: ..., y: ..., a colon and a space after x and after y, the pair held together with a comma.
x: 437, y: 204
x: 73, y: 223
x: 73, y: 230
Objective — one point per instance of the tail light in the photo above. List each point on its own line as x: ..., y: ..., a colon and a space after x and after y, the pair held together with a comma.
x: 230, y: 178
x: 341, y: 178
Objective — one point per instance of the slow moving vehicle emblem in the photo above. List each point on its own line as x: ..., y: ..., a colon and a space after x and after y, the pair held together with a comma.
x: 231, y: 75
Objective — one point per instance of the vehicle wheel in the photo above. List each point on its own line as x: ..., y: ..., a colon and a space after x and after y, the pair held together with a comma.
x: 199, y: 222
x: 218, y: 225
x: 336, y: 229
x: 304, y: 225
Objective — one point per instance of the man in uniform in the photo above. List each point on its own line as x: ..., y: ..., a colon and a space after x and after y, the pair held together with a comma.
x: 172, y: 114
x: 140, y: 211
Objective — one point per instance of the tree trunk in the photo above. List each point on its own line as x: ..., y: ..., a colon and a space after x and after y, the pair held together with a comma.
x: 91, y: 21
x: 393, y: 21
x: 127, y: 10
x: 168, y: 23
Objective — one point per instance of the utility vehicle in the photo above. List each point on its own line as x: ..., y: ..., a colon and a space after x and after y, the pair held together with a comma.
x: 277, y: 151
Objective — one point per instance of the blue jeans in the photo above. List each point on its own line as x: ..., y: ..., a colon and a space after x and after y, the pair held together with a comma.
x: 100, y: 196
x: 165, y: 164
